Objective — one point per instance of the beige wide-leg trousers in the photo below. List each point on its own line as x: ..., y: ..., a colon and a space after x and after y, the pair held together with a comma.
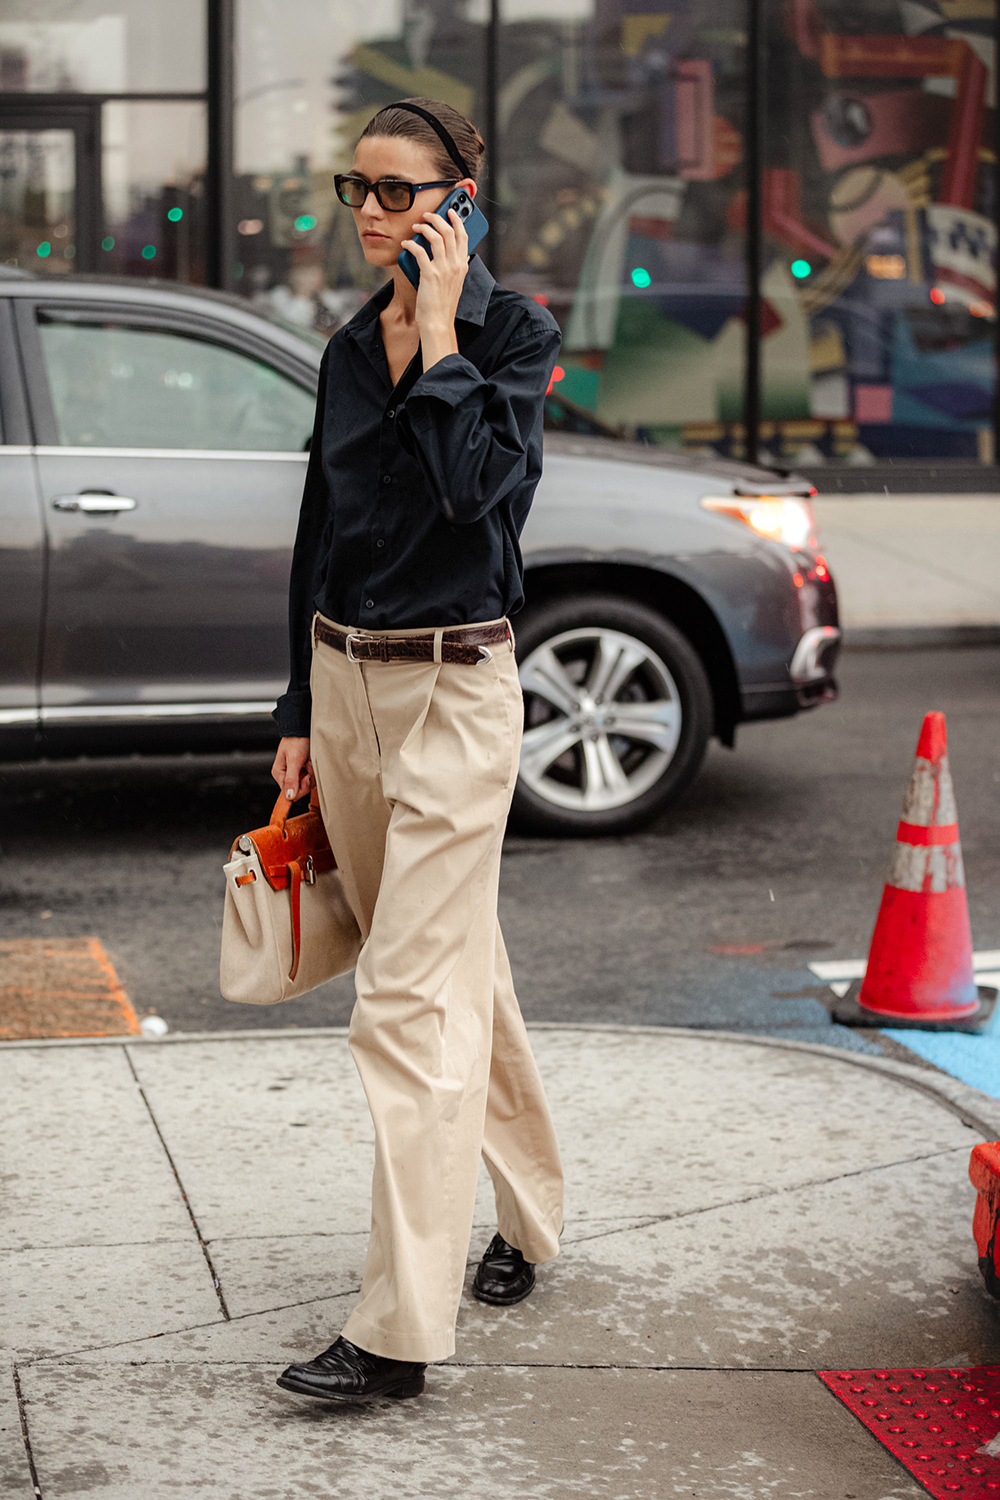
x: 415, y: 765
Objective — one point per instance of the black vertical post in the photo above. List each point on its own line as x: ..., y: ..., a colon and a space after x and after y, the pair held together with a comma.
x: 996, y: 288
x: 89, y: 186
x: 219, y: 196
x: 490, y: 251
x: 755, y: 125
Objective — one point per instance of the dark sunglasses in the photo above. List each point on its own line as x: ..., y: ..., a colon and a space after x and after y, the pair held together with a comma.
x: 392, y: 195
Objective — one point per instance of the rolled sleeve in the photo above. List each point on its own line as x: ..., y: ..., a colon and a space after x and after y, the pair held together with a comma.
x: 293, y: 713
x: 451, y: 380
x: 470, y: 434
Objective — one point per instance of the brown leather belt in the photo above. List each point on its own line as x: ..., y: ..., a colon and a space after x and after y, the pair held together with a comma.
x: 466, y: 645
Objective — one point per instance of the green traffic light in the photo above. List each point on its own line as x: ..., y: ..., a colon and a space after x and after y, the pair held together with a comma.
x: 108, y: 242
x: 175, y: 215
x: 44, y: 250
x: 148, y: 251
x: 801, y: 269
x: 641, y: 277
x: 305, y: 222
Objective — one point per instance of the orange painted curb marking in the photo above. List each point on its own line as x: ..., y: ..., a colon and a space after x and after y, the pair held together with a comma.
x: 61, y: 987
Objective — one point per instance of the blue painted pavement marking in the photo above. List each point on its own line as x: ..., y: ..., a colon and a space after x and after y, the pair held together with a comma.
x: 975, y: 1059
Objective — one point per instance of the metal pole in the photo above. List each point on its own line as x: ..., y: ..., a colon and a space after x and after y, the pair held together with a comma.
x: 89, y: 188
x: 491, y: 248
x: 220, y: 251
x: 755, y: 123
x: 996, y: 288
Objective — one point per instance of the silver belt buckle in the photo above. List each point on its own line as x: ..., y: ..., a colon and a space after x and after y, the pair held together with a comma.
x: 350, y: 652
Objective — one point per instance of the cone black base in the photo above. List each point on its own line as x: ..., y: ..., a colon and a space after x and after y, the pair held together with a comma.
x: 847, y: 1012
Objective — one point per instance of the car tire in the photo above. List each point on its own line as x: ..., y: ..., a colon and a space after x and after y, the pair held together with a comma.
x: 618, y: 714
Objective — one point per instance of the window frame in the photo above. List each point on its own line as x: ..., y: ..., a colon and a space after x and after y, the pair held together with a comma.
x: 164, y: 319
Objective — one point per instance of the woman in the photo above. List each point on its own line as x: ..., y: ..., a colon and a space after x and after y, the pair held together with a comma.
x: 404, y: 707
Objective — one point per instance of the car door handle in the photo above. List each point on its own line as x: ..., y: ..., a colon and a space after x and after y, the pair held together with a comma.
x: 97, y: 503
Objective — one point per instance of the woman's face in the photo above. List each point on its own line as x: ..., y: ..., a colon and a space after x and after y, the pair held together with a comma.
x: 382, y: 233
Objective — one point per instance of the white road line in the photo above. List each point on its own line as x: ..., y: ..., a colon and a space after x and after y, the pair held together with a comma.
x: 839, y: 972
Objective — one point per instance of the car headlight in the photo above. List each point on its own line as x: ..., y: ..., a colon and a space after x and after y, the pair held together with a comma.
x: 778, y: 518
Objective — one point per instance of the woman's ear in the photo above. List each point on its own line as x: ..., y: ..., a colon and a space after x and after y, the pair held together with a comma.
x: 469, y: 185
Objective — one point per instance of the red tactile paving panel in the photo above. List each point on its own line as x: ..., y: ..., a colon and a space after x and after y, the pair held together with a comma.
x: 940, y: 1424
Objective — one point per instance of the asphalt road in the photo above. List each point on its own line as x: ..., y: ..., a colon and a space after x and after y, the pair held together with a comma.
x: 778, y: 851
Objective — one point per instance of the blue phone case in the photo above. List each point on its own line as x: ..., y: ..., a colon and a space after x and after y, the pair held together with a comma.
x: 475, y: 227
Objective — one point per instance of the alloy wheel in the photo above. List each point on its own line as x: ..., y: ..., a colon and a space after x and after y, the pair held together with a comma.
x: 603, y: 719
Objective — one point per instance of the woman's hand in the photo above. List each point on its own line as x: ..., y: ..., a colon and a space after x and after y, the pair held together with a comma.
x: 292, y: 768
x: 441, y: 282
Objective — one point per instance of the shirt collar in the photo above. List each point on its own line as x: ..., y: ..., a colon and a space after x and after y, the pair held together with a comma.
x: 472, y: 304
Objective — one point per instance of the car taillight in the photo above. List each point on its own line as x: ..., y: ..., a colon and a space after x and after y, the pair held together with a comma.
x: 779, y: 518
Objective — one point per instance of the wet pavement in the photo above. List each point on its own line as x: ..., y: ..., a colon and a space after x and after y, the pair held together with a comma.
x: 186, y: 1216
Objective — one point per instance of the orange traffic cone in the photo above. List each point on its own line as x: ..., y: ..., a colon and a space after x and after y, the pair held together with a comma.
x: 920, y: 963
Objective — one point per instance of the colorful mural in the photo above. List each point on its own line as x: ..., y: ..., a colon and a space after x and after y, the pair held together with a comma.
x: 879, y: 200
x: 878, y: 215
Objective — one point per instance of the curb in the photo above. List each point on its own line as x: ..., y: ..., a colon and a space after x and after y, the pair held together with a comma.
x: 918, y: 637
x: 977, y: 1110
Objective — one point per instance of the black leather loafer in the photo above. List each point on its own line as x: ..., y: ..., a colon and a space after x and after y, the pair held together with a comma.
x: 503, y: 1276
x: 345, y: 1373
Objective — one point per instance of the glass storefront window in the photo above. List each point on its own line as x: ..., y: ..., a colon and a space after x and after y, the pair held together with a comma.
x: 617, y: 195
x: 879, y: 213
x: 620, y: 200
x: 622, y: 207
x: 153, y: 184
x: 102, y: 46
x: 304, y: 94
x: 37, y: 181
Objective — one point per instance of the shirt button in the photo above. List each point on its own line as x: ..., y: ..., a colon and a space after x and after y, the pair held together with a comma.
x: 386, y: 478
x: 369, y: 604
x: 380, y: 542
x: 391, y: 413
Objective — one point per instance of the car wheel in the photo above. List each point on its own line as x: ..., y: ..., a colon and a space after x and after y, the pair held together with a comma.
x: 617, y: 715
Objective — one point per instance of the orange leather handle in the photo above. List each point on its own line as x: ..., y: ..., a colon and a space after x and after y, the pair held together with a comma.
x: 281, y: 810
x: 283, y: 807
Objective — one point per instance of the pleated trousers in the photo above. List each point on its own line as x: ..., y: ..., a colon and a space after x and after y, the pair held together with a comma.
x: 415, y: 765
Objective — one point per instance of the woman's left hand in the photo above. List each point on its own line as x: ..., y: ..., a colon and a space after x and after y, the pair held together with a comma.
x: 441, y: 280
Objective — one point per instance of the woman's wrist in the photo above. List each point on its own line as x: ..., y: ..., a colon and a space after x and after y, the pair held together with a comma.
x: 436, y: 343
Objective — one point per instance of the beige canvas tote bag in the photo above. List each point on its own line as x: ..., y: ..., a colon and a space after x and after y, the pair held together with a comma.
x: 287, y: 926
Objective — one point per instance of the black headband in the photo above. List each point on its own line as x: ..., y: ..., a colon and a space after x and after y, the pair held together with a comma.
x: 435, y: 124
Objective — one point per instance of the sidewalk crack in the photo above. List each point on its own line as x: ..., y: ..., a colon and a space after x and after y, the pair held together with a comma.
x: 792, y: 1187
x: 259, y: 1312
x: 25, y: 1435
x: 180, y: 1187
x: 648, y: 1222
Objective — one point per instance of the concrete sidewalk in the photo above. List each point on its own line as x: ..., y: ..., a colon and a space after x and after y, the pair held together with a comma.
x: 914, y: 568
x: 187, y: 1215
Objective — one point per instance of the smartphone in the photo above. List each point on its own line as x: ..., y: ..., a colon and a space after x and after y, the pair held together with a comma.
x: 475, y: 227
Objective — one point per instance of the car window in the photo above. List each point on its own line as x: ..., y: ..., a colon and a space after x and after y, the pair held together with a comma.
x: 119, y: 386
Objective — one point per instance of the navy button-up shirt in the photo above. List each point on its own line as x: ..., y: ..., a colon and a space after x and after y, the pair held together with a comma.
x: 416, y: 495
